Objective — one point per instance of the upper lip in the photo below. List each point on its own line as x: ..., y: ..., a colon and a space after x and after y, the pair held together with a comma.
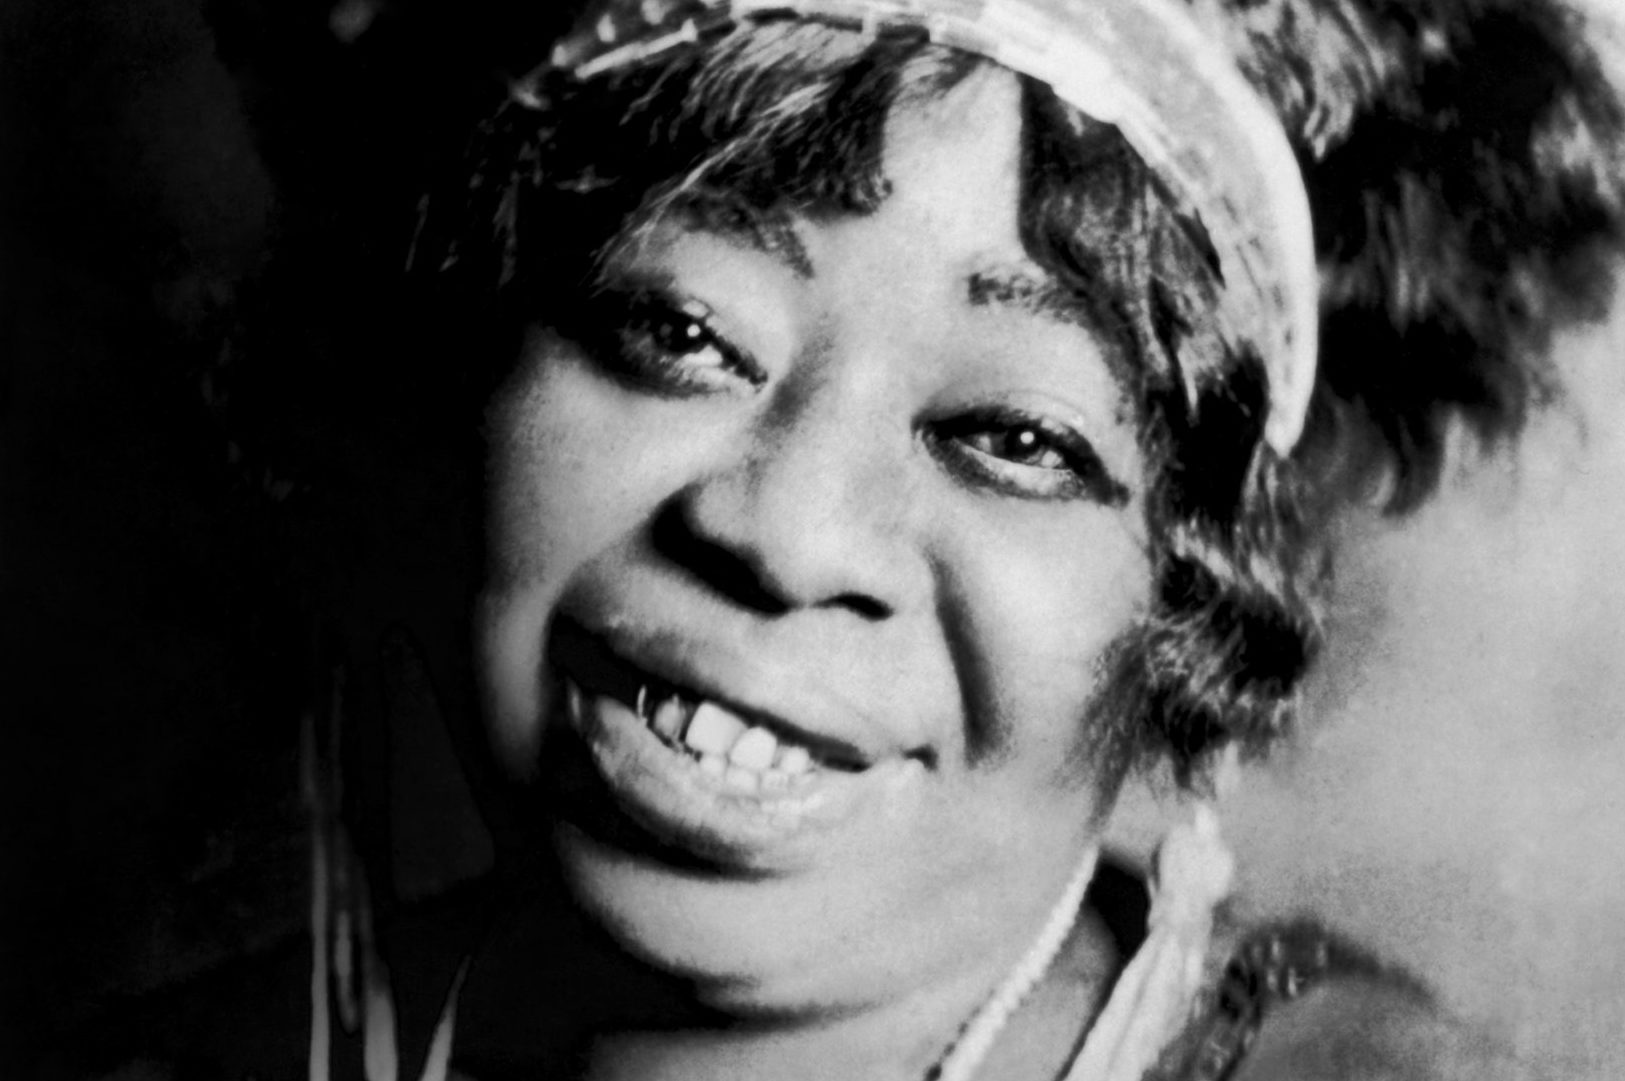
x: 617, y: 659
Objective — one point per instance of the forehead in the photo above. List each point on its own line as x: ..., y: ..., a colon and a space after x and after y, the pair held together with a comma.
x: 937, y: 270
x: 951, y: 176
x: 953, y: 162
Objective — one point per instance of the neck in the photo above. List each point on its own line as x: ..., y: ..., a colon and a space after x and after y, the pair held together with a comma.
x: 1036, y: 1045
x: 952, y: 1028
x: 896, y: 1041
x: 615, y: 1020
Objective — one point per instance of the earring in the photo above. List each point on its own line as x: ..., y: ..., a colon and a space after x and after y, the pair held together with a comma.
x: 1153, y: 998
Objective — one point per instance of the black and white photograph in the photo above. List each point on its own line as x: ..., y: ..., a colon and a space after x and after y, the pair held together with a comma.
x: 812, y: 540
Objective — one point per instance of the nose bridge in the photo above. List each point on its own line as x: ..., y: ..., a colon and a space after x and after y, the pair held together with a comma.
x: 816, y: 502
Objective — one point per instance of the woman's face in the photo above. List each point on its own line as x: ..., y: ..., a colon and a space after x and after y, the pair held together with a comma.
x: 854, y: 506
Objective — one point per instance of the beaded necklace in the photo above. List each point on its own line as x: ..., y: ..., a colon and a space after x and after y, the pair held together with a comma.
x: 1154, y: 995
x: 964, y: 1056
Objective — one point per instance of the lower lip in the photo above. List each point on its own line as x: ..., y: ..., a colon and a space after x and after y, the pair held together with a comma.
x: 665, y: 791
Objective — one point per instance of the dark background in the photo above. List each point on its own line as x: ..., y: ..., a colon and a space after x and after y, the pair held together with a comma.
x: 199, y: 200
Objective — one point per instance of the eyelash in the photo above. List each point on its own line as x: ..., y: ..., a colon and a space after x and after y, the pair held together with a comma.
x: 969, y: 444
x: 652, y: 340
x: 648, y: 338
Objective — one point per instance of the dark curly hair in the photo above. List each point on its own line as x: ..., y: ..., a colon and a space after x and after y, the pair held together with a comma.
x: 1452, y: 232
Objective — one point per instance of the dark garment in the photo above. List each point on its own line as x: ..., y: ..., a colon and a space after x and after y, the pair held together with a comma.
x: 1262, y: 972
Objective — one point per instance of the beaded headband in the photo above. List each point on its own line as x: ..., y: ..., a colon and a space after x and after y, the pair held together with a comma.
x: 1144, y: 66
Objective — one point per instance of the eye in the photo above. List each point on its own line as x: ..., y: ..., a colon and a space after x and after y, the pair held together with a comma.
x: 664, y: 345
x: 1026, y: 456
x: 1023, y: 444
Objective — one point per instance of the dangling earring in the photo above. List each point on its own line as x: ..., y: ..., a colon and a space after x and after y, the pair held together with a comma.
x: 1153, y: 998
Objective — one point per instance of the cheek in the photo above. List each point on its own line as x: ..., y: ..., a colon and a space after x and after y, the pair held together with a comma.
x: 578, y: 462
x: 573, y: 474
x: 1043, y: 611
x: 562, y: 468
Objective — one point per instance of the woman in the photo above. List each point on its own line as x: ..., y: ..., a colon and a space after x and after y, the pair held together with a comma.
x: 906, y: 442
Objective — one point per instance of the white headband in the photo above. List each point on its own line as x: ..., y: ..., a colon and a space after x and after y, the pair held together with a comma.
x: 1144, y: 66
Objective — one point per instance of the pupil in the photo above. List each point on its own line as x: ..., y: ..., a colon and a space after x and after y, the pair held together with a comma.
x: 680, y: 336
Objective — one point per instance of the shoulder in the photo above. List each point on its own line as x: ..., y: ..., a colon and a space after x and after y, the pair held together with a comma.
x: 1298, y: 1002
x: 1360, y: 1030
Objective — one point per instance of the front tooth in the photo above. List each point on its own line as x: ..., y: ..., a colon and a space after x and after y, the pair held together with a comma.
x: 669, y: 717
x: 754, y: 750
x: 712, y: 730
x: 713, y: 764
x: 795, y: 760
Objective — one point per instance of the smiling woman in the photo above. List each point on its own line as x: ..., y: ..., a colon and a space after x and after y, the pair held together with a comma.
x: 855, y: 516
x: 898, y: 439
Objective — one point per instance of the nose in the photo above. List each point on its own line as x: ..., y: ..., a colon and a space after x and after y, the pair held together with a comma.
x: 810, y: 511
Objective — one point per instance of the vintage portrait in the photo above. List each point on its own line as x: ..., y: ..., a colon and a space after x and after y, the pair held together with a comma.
x: 898, y: 540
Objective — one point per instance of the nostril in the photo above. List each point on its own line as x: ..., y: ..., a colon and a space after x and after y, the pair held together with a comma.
x: 779, y: 544
x: 863, y: 604
x: 724, y: 570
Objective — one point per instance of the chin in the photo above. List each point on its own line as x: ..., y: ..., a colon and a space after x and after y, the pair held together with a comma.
x: 752, y: 947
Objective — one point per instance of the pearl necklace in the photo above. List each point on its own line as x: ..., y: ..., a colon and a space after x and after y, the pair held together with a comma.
x: 1151, y: 1000
x: 1153, y: 996
x: 964, y: 1056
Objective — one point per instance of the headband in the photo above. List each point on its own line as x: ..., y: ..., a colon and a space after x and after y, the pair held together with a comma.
x: 1144, y: 66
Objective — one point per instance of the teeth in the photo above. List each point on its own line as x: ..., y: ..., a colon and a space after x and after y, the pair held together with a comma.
x: 754, y: 750
x: 712, y: 730
x: 669, y: 719
x: 745, y: 757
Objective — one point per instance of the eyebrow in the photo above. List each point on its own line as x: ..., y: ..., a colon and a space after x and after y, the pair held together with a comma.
x: 771, y: 232
x: 1031, y: 293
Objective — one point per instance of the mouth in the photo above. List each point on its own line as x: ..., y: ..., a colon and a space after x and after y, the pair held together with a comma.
x: 749, y: 749
x: 699, y: 771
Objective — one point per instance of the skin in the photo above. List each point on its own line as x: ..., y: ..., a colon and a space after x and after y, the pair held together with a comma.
x: 933, y: 493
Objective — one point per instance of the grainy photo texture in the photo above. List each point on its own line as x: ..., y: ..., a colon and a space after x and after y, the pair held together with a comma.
x: 910, y: 540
